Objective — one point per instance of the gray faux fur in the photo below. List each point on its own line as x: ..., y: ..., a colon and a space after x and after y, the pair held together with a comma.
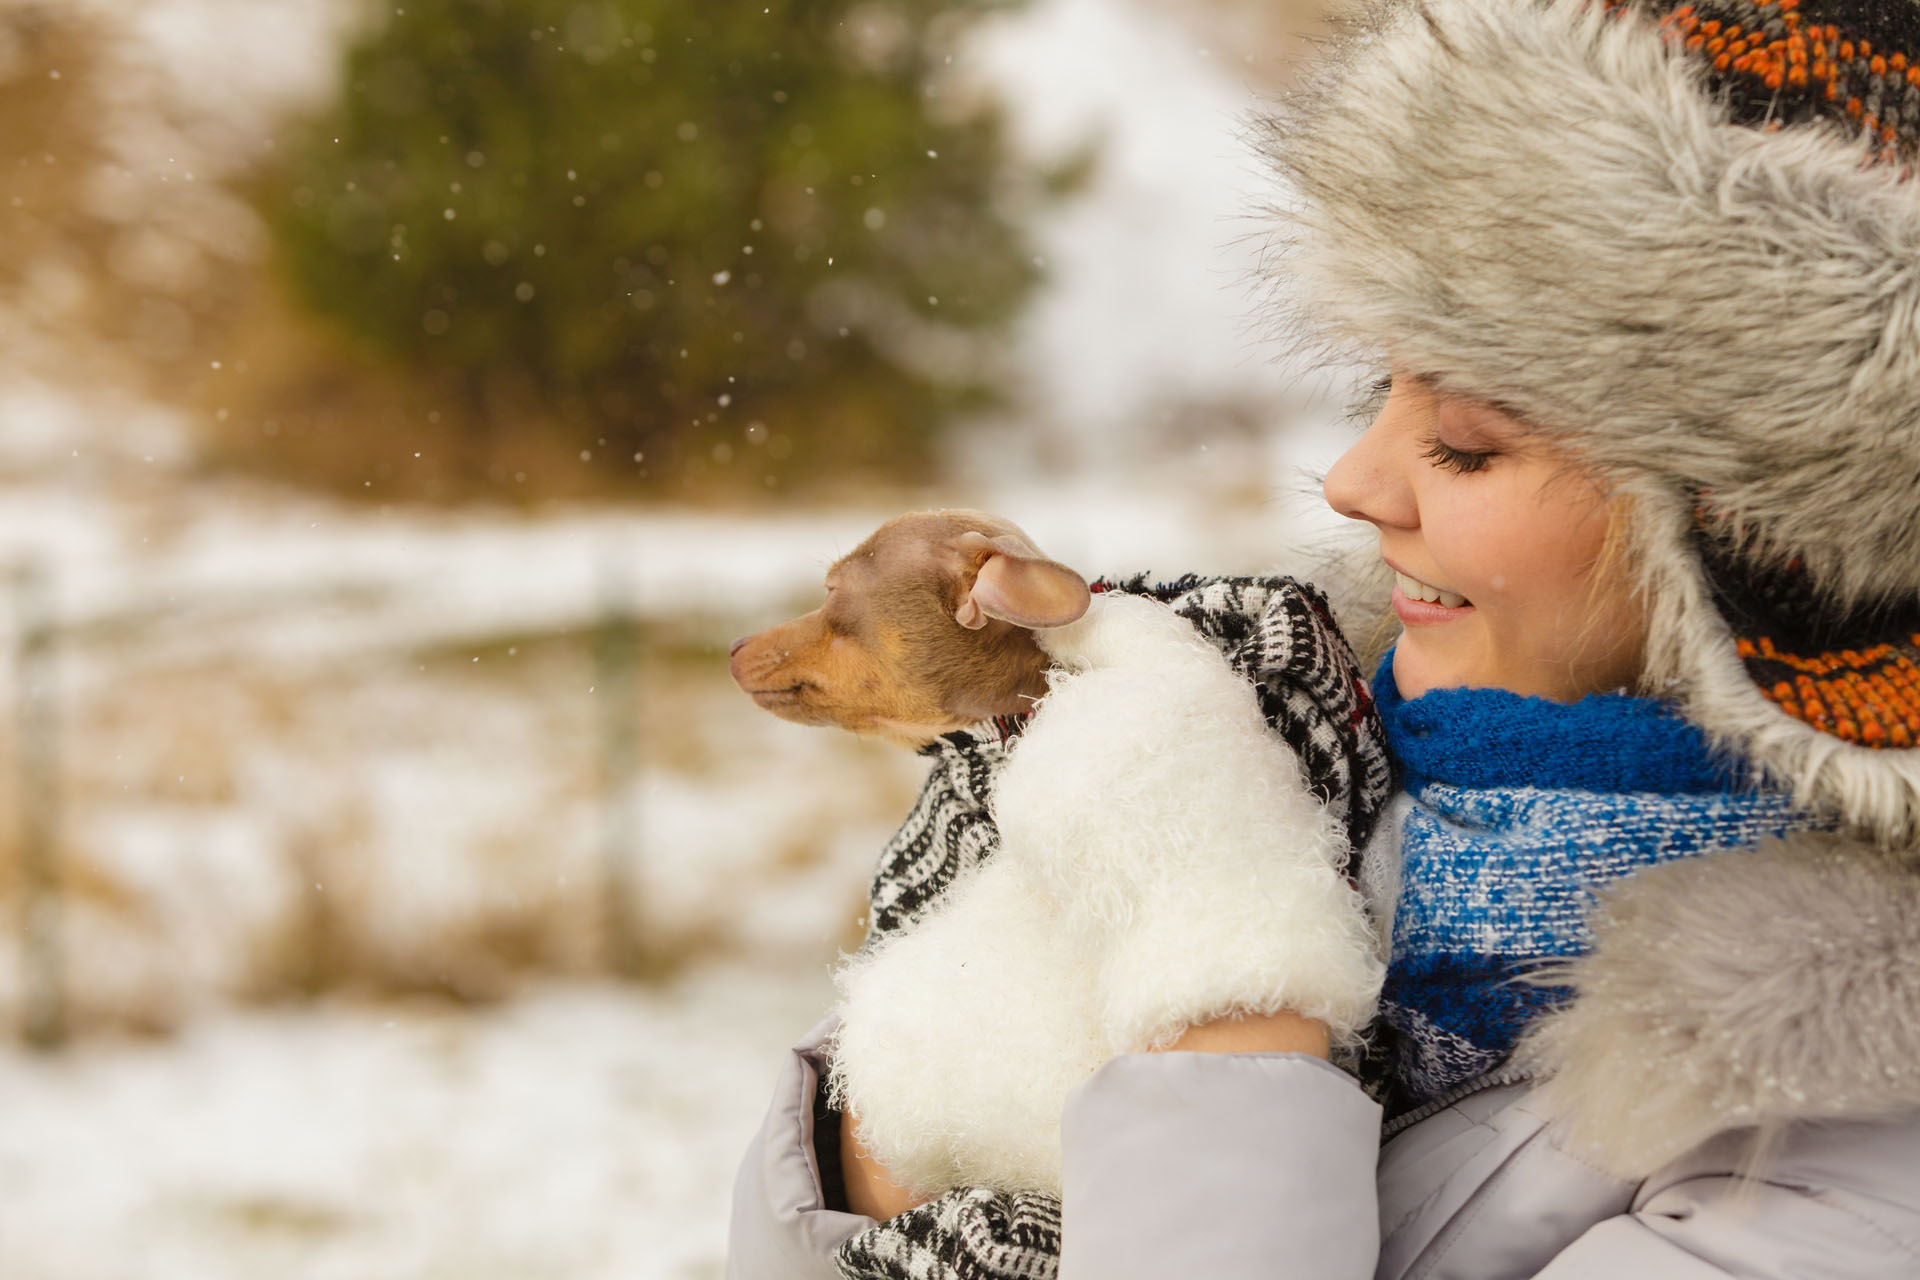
x: 1516, y: 199
x: 1734, y: 991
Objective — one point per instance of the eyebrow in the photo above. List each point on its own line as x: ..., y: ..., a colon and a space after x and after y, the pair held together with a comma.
x: 1484, y: 421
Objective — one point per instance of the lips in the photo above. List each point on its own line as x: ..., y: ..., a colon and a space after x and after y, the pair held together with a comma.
x: 1414, y: 613
x: 1418, y: 603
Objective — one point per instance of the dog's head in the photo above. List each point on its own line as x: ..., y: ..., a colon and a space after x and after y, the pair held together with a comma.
x: 926, y: 628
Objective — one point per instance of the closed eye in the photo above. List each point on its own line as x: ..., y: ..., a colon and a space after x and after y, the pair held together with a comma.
x: 1459, y: 461
x: 838, y: 614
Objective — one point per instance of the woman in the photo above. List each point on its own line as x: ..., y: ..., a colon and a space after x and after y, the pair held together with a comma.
x: 1648, y: 282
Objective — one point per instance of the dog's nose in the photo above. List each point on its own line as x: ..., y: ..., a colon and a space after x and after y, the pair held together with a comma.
x: 736, y: 645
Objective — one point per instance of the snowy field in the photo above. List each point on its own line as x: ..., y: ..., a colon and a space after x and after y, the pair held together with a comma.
x: 580, y: 1131
x: 376, y: 754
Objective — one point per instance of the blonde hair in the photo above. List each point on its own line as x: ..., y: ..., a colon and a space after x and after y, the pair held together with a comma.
x: 1616, y: 571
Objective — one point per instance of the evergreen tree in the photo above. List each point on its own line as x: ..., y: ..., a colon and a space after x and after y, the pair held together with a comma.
x: 687, y: 230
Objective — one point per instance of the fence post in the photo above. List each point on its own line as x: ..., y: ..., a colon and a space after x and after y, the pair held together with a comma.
x: 43, y: 1013
x: 616, y: 645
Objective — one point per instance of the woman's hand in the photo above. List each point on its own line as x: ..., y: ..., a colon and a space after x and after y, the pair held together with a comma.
x: 1282, y: 1032
x: 869, y: 1189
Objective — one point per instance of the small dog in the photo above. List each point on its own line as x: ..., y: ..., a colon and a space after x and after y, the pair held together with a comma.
x: 927, y: 628
x: 1162, y: 859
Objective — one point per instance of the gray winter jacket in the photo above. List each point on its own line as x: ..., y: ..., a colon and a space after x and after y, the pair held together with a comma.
x: 1734, y: 1091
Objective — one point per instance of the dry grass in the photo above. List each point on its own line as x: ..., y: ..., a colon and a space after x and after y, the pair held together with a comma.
x: 413, y: 824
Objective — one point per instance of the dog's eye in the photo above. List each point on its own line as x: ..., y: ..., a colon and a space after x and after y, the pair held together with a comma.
x: 836, y: 618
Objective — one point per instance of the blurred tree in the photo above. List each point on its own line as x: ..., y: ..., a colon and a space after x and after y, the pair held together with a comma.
x: 688, y: 235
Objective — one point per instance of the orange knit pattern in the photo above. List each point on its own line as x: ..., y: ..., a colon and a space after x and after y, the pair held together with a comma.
x: 1774, y: 54
x: 1868, y: 696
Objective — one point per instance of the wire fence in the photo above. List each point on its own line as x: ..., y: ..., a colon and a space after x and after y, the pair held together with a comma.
x: 255, y: 816
x: 43, y: 1019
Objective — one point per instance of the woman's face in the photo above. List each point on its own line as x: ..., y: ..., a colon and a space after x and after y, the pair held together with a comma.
x: 1494, y: 540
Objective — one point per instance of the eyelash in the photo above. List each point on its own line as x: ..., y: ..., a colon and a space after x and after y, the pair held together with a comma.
x: 1459, y: 461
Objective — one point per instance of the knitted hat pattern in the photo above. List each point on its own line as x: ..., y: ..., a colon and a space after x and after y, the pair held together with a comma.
x: 1682, y: 242
x: 1788, y: 61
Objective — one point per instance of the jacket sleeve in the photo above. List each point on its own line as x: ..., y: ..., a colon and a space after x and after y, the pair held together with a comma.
x: 1841, y: 1199
x: 780, y: 1228
x: 1230, y: 1166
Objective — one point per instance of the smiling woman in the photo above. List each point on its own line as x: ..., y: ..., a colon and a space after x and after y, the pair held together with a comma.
x: 1498, y: 542
x: 1647, y: 276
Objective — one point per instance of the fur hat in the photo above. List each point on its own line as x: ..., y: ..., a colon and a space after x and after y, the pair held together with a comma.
x: 1684, y: 242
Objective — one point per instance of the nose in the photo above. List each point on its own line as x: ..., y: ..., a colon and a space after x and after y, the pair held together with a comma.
x: 1370, y: 480
x: 1348, y: 482
x: 735, y: 647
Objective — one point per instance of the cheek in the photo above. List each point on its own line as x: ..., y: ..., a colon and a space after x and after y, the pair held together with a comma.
x: 1519, y: 548
x: 1542, y: 576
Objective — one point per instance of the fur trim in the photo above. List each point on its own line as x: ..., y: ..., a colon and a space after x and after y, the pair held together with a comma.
x: 1740, y: 990
x: 1516, y: 198
x: 1691, y: 655
x: 1161, y: 862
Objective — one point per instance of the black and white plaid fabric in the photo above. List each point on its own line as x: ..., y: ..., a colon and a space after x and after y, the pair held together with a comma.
x: 1279, y: 634
x: 970, y: 1234
x: 948, y: 832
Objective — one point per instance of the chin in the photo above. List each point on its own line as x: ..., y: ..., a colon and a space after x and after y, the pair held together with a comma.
x: 1417, y: 669
x: 1413, y: 671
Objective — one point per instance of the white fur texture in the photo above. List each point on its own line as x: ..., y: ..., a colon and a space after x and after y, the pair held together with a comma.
x: 1543, y: 204
x: 1161, y: 863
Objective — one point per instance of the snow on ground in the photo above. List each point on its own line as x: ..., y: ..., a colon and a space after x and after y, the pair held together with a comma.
x: 579, y: 1132
x: 250, y: 563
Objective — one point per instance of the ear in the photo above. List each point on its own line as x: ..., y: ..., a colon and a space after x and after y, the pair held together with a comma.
x: 1013, y: 582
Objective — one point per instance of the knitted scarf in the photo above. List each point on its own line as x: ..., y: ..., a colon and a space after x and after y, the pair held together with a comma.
x: 1521, y: 809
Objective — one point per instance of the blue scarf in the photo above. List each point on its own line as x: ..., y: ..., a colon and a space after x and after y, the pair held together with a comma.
x: 1521, y: 808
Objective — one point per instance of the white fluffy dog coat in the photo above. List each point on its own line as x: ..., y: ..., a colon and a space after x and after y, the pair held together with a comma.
x: 1161, y: 863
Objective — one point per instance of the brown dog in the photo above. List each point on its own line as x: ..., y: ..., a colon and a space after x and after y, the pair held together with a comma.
x: 926, y: 629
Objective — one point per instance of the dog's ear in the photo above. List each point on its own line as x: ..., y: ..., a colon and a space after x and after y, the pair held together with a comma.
x: 1013, y: 582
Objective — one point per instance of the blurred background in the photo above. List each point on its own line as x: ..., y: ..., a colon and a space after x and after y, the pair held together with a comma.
x: 401, y: 407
